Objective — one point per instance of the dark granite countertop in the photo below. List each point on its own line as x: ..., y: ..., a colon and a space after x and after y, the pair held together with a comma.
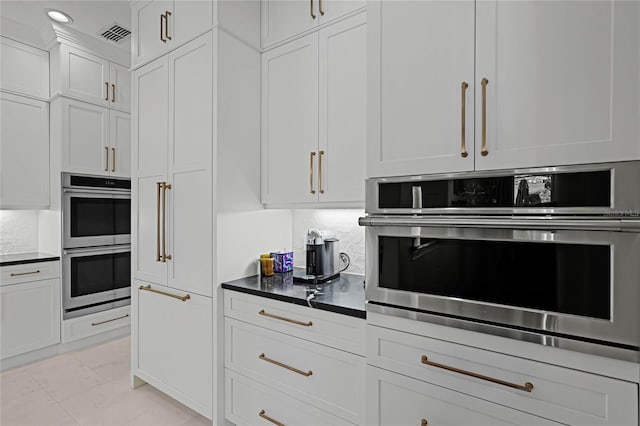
x: 343, y: 295
x: 24, y: 258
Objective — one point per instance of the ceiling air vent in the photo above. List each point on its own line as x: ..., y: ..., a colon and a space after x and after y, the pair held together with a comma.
x: 115, y: 33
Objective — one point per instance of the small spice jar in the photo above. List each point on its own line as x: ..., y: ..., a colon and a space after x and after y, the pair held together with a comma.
x: 266, y: 265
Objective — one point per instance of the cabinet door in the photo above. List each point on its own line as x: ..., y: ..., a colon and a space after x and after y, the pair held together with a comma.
x: 290, y: 122
x: 174, y: 345
x: 403, y: 401
x: 332, y: 9
x: 343, y: 110
x: 283, y: 19
x: 420, y: 54
x: 24, y: 152
x: 85, y: 138
x: 149, y: 165
x: 84, y: 76
x: 119, y: 87
x: 189, y: 19
x: 189, y: 201
x: 563, y: 82
x: 30, y: 316
x: 24, y: 69
x: 120, y: 143
x: 148, y: 39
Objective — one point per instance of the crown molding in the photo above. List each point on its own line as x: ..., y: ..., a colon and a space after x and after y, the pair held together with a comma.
x: 21, y: 33
x: 59, y: 34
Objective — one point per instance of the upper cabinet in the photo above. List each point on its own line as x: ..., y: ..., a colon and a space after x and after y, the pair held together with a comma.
x: 284, y: 19
x: 95, y: 140
x: 24, y: 152
x: 314, y: 117
x: 466, y: 85
x: 160, y: 26
x: 24, y: 69
x: 84, y: 76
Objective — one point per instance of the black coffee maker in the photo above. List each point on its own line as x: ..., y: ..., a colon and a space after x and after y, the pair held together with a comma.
x: 322, y: 257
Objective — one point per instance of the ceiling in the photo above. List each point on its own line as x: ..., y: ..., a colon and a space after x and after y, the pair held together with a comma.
x: 89, y: 16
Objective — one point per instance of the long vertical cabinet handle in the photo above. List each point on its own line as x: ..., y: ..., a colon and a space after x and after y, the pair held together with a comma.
x: 158, y: 188
x: 313, y: 15
x: 320, y: 172
x: 463, y: 149
x: 162, y: 31
x: 113, y: 157
x: 484, y: 151
x: 106, y: 92
x: 165, y: 256
x: 320, y: 8
x: 106, y: 158
x: 166, y: 25
x: 113, y: 92
x: 311, y: 157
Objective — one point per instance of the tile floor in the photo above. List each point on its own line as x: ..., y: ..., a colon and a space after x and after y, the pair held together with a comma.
x: 88, y: 387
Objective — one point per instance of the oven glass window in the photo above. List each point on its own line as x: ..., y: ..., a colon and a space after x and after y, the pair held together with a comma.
x: 564, y: 278
x: 98, y: 273
x: 100, y: 216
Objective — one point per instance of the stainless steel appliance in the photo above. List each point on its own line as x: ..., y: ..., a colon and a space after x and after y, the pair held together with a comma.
x: 323, y: 258
x: 96, y: 211
x: 95, y: 279
x: 96, y: 228
x: 549, y: 255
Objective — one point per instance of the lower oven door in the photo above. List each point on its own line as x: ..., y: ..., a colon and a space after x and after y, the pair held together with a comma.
x: 570, y: 282
x: 95, y: 276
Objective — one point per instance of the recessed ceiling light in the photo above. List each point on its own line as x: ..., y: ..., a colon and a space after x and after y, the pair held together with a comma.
x: 58, y: 16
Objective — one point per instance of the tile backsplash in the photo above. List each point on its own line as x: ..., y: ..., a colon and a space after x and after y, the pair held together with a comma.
x: 343, y: 222
x: 18, y: 231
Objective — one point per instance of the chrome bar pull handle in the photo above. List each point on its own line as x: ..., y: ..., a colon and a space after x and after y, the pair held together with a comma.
x: 484, y: 151
x: 463, y: 149
x: 527, y: 387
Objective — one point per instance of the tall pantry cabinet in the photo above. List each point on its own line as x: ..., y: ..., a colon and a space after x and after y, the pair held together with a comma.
x: 188, y: 106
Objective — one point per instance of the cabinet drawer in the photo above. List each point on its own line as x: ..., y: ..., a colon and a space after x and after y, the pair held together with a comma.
x: 327, y: 378
x: 561, y: 394
x: 90, y: 325
x: 402, y: 401
x: 331, y: 329
x: 29, y: 272
x: 246, y: 399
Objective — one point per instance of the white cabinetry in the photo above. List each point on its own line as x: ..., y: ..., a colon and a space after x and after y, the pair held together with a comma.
x: 559, y: 89
x: 173, y: 145
x: 95, y: 140
x: 85, y: 76
x: 24, y: 152
x: 275, y: 345
x: 174, y: 344
x: 314, y: 117
x: 454, y: 382
x: 24, y: 69
x: 282, y: 19
x: 30, y: 306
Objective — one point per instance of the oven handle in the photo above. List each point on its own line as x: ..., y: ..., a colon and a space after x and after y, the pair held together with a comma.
x: 549, y: 223
x: 111, y: 249
x: 123, y: 193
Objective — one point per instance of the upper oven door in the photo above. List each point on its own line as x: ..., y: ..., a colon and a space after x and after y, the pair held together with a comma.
x: 568, y: 281
x: 95, y: 218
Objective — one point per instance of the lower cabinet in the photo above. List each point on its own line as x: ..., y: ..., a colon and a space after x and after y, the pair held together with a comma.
x: 394, y: 399
x: 30, y: 309
x: 174, y: 344
x: 289, y: 377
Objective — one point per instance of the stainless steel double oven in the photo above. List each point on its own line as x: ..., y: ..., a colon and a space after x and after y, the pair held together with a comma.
x: 548, y: 255
x: 96, y: 260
